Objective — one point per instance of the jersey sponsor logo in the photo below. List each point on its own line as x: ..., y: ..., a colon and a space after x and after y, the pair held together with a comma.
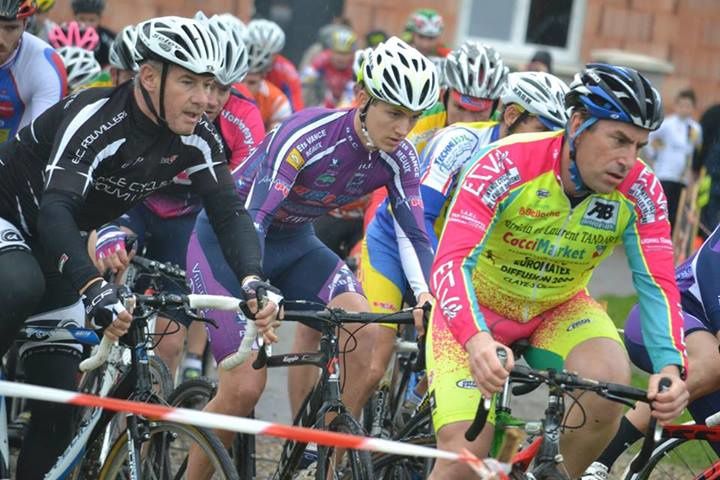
x: 295, y: 159
x: 118, y: 187
x: 10, y: 235
x: 281, y: 187
x: 602, y: 214
x: 325, y: 179
x: 90, y: 139
x: 354, y: 185
x: 444, y: 280
x: 7, y: 109
x: 467, y: 217
x: 532, y: 213
x: 492, y: 177
x: 455, y: 153
x: 542, y: 193
x: 649, y: 198
x: 543, y: 246
x: 311, y: 143
x: 62, y: 261
x: 197, y: 282
x: 167, y: 160
x: 467, y: 384
x: 577, y: 324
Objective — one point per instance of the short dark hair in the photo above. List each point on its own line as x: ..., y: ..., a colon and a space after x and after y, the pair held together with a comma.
x: 688, y: 93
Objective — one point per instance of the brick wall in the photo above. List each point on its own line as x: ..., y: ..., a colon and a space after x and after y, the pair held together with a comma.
x: 683, y: 32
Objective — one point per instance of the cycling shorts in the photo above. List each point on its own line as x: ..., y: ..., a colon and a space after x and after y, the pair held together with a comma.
x: 165, y: 240
x: 381, y: 275
x: 295, y: 261
x: 552, y: 335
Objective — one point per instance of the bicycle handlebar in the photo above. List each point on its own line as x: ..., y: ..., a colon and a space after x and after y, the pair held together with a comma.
x: 166, y: 268
x: 216, y: 302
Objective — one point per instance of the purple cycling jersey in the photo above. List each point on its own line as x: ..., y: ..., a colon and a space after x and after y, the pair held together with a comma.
x: 315, y: 162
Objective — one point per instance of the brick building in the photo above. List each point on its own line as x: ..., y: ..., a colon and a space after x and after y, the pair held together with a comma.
x: 681, y: 33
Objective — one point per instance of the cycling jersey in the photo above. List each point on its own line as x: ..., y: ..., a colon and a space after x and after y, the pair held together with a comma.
x: 338, y: 83
x: 274, y: 106
x: 31, y: 80
x: 102, y: 52
x: 91, y: 157
x: 102, y: 80
x: 382, y: 273
x: 285, y: 76
x: 513, y: 243
x: 241, y: 130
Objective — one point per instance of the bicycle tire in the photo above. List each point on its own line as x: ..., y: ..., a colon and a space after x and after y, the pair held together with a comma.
x: 397, y: 467
x: 670, y: 459
x: 157, y: 455
x: 162, y: 381
x: 360, y: 461
x: 195, y: 394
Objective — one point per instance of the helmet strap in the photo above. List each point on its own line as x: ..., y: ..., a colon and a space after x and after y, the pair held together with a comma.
x: 363, y: 126
x: 577, y: 180
x: 148, y: 101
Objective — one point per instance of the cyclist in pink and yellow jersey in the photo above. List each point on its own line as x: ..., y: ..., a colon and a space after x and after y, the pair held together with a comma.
x: 532, y: 217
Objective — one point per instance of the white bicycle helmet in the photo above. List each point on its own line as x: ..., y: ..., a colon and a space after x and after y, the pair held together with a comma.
x: 180, y: 41
x: 80, y: 65
x: 268, y: 34
x: 230, y: 36
x: 122, y: 53
x: 398, y: 74
x: 476, y: 70
x: 426, y: 22
x: 540, y: 94
x: 360, y: 56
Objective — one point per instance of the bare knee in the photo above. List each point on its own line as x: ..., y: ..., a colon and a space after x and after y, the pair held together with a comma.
x: 239, y: 390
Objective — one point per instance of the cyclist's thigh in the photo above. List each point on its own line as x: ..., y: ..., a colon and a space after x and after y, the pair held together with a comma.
x: 454, y: 396
x: 303, y: 268
x: 566, y: 326
x: 635, y: 344
x: 381, y: 275
x: 209, y: 273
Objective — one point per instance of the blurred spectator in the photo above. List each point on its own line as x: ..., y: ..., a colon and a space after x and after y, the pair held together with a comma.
x: 39, y: 24
x: 328, y: 80
x: 540, y: 62
x: 282, y: 73
x: 90, y: 13
x: 671, y: 149
x: 424, y: 28
x: 323, y: 40
x: 374, y: 37
x: 710, y: 159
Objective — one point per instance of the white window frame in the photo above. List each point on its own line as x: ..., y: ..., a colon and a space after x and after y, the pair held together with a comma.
x: 516, y: 48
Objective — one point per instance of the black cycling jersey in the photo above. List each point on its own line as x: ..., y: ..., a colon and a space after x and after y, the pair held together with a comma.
x: 91, y: 157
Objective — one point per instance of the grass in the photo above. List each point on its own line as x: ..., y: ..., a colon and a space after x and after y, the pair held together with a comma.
x: 618, y: 308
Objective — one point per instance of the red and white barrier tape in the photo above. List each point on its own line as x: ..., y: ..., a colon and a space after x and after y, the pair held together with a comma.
x: 235, y: 424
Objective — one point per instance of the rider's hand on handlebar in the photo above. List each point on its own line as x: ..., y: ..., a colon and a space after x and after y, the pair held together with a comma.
x: 419, y: 313
x: 105, y: 309
x: 669, y: 404
x: 267, y: 318
x: 485, y: 366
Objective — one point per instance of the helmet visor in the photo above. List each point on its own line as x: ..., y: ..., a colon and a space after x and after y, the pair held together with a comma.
x: 473, y: 104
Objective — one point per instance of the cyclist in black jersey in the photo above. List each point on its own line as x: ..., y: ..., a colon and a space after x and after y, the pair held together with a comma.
x: 84, y: 162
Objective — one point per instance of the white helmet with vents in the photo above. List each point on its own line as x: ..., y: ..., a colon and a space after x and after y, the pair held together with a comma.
x: 268, y: 34
x: 230, y: 35
x: 398, y: 74
x: 80, y: 65
x: 476, y: 70
x: 184, y: 42
x: 540, y: 94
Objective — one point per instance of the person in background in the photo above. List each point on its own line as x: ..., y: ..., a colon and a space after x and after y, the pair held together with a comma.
x: 273, y: 103
x: 424, y: 28
x: 81, y: 67
x: 74, y: 34
x: 671, y: 149
x: 374, y: 37
x: 541, y: 61
x: 89, y: 12
x: 31, y: 72
x: 39, y: 24
x: 710, y: 159
x: 282, y: 73
x: 328, y: 81
x: 123, y: 65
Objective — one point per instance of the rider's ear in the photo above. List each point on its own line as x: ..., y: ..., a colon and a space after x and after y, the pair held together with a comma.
x: 149, y: 76
x: 510, y: 114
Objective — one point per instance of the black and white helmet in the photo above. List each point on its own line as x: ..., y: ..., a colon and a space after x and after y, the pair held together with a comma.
x: 80, y: 65
x: 122, y: 53
x: 476, y: 70
x: 184, y: 42
x: 266, y: 33
x: 230, y: 36
x: 540, y: 94
x: 398, y: 74
x: 616, y: 93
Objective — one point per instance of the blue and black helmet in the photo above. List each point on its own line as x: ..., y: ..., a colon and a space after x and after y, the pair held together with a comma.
x: 616, y: 93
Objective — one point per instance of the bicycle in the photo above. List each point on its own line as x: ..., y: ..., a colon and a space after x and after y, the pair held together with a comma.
x: 325, y: 397
x: 683, y: 452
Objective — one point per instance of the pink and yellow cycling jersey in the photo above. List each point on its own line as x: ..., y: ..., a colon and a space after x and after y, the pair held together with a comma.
x: 512, y: 242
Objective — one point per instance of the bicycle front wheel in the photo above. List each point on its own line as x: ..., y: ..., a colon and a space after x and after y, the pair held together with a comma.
x: 359, y: 463
x: 164, y: 454
x: 680, y: 458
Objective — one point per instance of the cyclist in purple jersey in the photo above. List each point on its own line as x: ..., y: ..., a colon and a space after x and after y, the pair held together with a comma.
x: 317, y: 160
